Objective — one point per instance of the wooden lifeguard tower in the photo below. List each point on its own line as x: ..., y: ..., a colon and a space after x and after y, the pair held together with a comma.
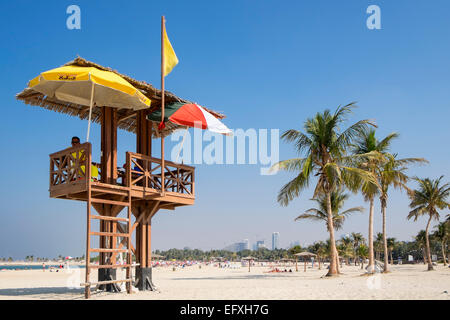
x: 143, y: 187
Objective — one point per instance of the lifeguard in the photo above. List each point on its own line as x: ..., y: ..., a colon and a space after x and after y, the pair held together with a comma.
x: 80, y: 155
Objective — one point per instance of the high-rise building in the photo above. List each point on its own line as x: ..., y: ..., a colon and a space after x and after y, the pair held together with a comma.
x: 260, y: 244
x: 275, y: 240
x: 246, y: 244
x: 238, y: 246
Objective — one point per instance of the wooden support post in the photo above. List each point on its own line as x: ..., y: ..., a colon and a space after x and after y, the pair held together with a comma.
x: 148, y: 231
x: 87, y: 289
x: 108, y: 175
x: 144, y: 133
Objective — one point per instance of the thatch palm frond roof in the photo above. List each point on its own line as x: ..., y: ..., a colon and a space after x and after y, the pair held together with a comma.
x: 305, y: 254
x: 126, y: 117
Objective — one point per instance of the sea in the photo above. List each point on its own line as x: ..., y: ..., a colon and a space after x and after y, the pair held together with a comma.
x: 34, y: 267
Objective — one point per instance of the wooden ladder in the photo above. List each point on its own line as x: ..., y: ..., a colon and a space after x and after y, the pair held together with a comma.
x: 114, y: 235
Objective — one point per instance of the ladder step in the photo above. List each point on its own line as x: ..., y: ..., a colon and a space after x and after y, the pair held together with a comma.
x: 119, y: 203
x: 110, y: 234
x: 105, y: 282
x: 108, y: 250
x: 108, y: 218
x: 107, y: 266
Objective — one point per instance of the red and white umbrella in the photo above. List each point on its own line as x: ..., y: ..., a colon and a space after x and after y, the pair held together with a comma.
x: 191, y: 115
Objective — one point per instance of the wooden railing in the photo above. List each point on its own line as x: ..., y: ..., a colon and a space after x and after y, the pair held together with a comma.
x: 144, y: 174
x: 68, y: 167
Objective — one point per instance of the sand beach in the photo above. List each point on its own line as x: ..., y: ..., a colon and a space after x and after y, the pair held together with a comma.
x: 211, y: 282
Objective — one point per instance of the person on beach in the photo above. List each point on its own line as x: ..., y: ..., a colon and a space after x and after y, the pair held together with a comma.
x: 43, y: 266
x: 80, y: 155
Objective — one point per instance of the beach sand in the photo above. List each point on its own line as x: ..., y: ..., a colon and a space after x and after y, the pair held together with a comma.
x: 209, y: 282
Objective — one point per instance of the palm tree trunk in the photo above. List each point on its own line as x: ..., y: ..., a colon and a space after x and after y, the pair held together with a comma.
x: 392, y: 259
x: 430, y: 264
x: 338, y: 265
x: 332, y: 271
x: 383, y: 211
x: 319, y: 262
x: 371, y: 266
x: 443, y: 252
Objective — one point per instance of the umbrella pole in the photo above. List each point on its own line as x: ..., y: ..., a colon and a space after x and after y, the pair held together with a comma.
x: 90, y: 113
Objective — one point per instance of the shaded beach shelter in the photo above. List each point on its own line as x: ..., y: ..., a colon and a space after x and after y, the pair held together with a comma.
x: 157, y: 256
x: 190, y: 115
x: 304, y: 255
x: 249, y: 259
x: 166, y: 185
x: 88, y: 86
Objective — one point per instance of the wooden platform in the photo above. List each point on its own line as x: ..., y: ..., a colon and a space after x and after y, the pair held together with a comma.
x: 141, y: 177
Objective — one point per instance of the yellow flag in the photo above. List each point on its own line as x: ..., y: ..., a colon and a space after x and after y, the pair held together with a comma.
x: 170, y: 58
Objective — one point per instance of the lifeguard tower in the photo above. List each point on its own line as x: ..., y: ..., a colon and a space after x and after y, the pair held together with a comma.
x: 143, y: 188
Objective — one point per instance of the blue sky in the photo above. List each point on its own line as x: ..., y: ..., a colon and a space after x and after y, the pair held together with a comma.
x: 265, y: 64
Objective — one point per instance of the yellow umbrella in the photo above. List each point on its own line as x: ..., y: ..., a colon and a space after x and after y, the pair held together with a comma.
x: 89, y: 85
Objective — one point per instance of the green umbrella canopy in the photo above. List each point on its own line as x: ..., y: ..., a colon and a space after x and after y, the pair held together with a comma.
x: 168, y: 111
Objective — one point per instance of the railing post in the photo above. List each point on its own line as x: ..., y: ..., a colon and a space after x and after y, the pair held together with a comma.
x: 128, y: 170
x: 87, y: 164
x: 193, y: 182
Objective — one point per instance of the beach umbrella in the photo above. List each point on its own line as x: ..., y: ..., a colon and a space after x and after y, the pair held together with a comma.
x: 88, y: 86
x: 304, y: 254
x: 190, y: 115
x: 249, y: 259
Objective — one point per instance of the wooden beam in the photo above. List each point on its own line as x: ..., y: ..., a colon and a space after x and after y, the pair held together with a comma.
x: 127, y: 116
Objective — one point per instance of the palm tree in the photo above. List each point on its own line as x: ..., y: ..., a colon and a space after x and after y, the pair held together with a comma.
x: 441, y: 233
x: 357, y: 239
x: 421, y: 243
x: 346, y: 248
x: 320, y: 250
x: 320, y: 213
x: 392, y: 172
x: 391, y: 244
x: 430, y: 197
x: 325, y: 148
x: 378, y: 245
x: 363, y: 252
x: 368, y: 143
x: 337, y: 202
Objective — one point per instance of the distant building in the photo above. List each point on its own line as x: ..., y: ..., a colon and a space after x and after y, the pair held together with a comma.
x: 275, y: 240
x: 246, y: 244
x: 238, y: 246
x: 260, y: 244
x: 293, y: 244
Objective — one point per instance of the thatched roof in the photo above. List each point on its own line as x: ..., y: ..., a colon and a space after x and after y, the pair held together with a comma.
x: 305, y: 254
x: 126, y: 117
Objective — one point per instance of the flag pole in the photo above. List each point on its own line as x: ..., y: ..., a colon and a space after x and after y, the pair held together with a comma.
x: 162, y: 105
